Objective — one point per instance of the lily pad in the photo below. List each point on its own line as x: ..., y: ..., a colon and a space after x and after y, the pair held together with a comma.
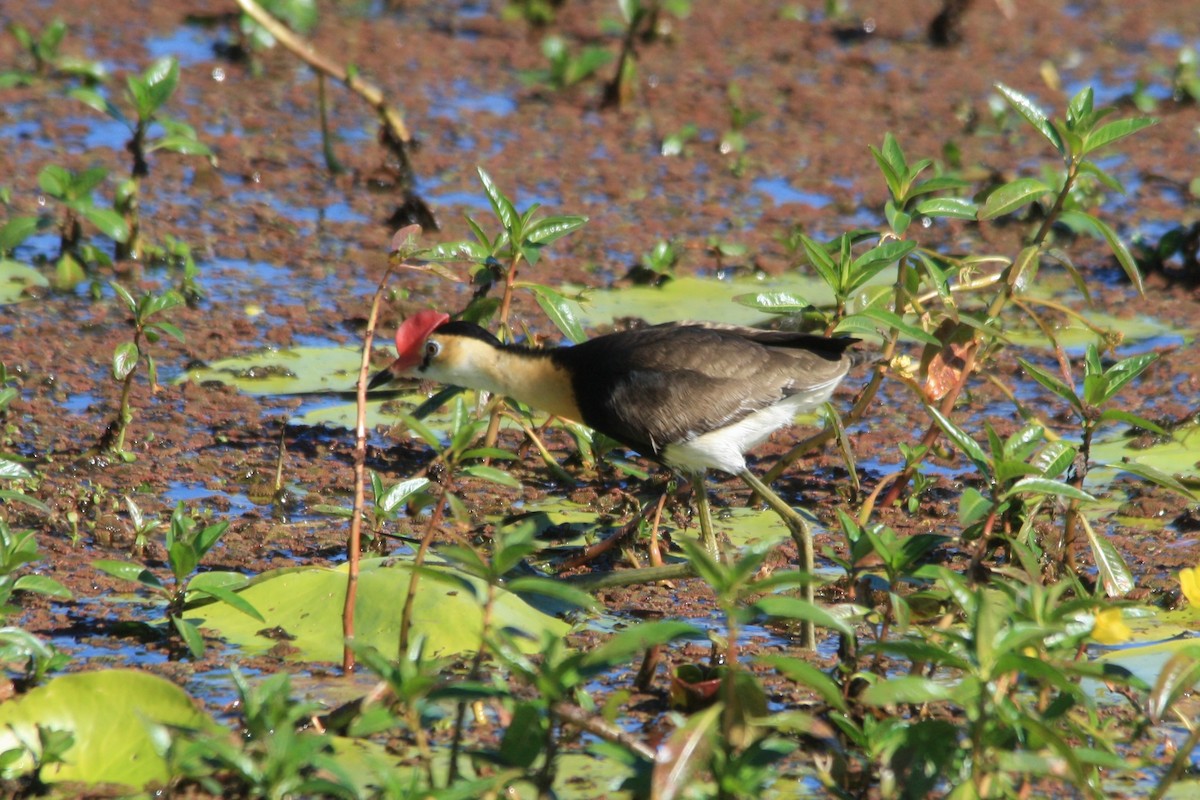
x: 1074, y: 336
x: 576, y: 525
x: 303, y: 608
x: 15, y: 279
x: 1179, y: 457
x: 697, y: 298
x: 111, y: 714
x: 298, y: 370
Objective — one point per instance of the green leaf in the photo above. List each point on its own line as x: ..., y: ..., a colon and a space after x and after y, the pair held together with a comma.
x: 1131, y: 419
x: 398, y: 493
x: 562, y: 311
x: 1178, y: 677
x: 54, y: 180
x: 98, y: 102
x: 964, y: 442
x: 1110, y: 132
x: 800, y: 671
x: 484, y: 472
x: 501, y: 205
x: 114, y: 716
x: 231, y: 598
x: 125, y: 359
x: 1083, y: 221
x: 1052, y: 383
x: 635, y: 639
x: 108, y: 222
x: 126, y: 571
x: 888, y: 319
x: 184, y: 145
x: 549, y: 587
x: 1114, y: 573
x: 17, y: 230
x: 168, y: 328
x: 1045, y: 486
x: 797, y: 609
x: 40, y: 584
x: 954, y: 207
x: 1011, y: 196
x: 1033, y: 115
x: 548, y: 230
x: 191, y: 636
x: 906, y: 689
x: 780, y: 302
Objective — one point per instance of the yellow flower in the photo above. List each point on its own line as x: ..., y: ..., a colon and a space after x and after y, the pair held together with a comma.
x: 1189, y: 581
x: 1109, y: 628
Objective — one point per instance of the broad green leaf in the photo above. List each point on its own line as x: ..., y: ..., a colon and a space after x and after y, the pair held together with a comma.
x: 556, y: 589
x: 800, y: 671
x: 307, y: 604
x: 1044, y: 486
x: 112, y: 716
x: 109, y: 222
x: 562, y: 311
x: 1114, y: 573
x: 226, y: 596
x: 191, y: 636
x: 1033, y: 115
x: 954, y: 207
x: 16, y: 230
x: 637, y: 638
x: 398, y: 493
x: 501, y: 205
x: 13, y: 470
x: 1082, y: 220
x: 125, y: 359
x: 184, y: 145
x: 888, y: 319
x: 774, y: 302
x: 98, y: 102
x: 964, y: 442
x: 548, y: 230
x: 1178, y: 677
x: 906, y: 689
x: 16, y: 279
x: 797, y: 609
x: 1130, y: 418
x: 1110, y: 132
x: 126, y: 571
x: 130, y: 304
x: 21, y: 497
x: 1011, y: 196
x: 40, y: 584
x: 54, y: 180
x: 1052, y: 383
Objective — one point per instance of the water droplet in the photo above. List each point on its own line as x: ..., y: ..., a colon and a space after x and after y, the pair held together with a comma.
x: 926, y: 222
x: 869, y: 25
x: 218, y: 74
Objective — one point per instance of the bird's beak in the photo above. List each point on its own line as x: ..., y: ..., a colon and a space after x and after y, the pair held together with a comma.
x: 383, y: 377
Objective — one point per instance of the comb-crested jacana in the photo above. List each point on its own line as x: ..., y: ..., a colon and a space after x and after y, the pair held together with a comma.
x: 695, y: 396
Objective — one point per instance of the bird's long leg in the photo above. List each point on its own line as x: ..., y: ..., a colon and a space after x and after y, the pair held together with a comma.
x: 801, y: 534
x: 702, y: 511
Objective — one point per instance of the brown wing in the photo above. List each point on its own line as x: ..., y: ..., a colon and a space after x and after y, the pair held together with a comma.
x: 653, y: 386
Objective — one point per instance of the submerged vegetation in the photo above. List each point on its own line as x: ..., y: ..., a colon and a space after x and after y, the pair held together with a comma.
x: 980, y: 636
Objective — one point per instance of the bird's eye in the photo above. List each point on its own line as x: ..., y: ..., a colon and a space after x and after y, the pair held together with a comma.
x: 432, y: 349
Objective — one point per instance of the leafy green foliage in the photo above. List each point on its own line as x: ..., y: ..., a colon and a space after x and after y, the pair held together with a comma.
x: 128, y: 354
x: 146, y: 94
x: 44, y: 49
x: 187, y: 542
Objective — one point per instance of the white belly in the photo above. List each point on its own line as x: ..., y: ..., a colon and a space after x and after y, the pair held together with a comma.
x: 723, y: 448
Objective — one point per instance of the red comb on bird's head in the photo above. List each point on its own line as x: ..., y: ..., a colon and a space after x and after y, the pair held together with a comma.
x: 411, y: 336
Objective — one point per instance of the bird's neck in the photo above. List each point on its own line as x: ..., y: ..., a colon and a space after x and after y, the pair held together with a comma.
x: 526, y: 375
